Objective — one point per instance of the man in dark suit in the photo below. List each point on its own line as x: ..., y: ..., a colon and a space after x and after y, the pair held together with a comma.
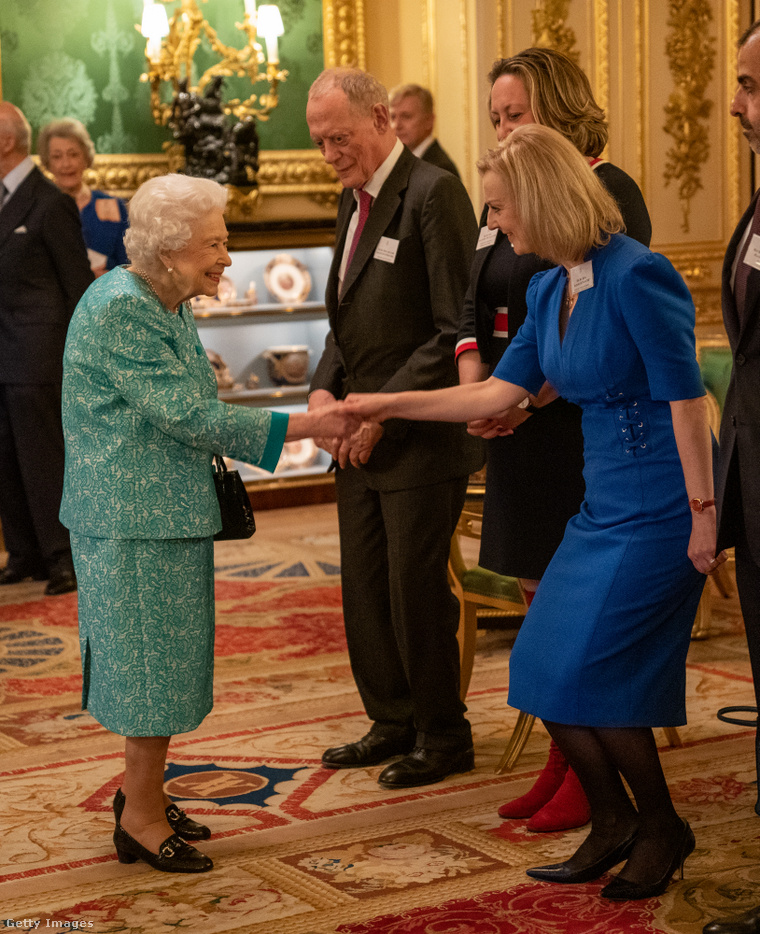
x: 405, y: 232
x: 413, y: 119
x: 43, y: 272
x: 737, y: 486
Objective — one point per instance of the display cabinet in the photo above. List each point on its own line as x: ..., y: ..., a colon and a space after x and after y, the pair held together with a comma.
x: 264, y: 335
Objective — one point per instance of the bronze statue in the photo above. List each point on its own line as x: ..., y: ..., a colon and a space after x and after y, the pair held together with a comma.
x: 215, y: 149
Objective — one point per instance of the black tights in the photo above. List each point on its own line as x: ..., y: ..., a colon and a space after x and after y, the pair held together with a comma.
x: 601, y: 758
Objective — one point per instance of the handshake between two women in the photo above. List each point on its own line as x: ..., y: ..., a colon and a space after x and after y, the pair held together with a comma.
x: 364, y: 413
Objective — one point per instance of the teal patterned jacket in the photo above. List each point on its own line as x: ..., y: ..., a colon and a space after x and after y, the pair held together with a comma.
x: 142, y: 420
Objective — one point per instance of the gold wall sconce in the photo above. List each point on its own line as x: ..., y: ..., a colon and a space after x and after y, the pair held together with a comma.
x: 171, y: 44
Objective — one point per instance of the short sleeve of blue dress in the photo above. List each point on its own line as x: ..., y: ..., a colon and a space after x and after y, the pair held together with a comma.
x: 658, y: 312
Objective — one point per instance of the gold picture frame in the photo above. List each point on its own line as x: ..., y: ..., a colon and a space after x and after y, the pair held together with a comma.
x: 294, y: 184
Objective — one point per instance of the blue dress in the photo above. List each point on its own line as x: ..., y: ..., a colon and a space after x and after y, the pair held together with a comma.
x: 105, y: 236
x: 604, y: 643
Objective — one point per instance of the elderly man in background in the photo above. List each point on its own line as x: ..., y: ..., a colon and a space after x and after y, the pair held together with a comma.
x: 44, y: 271
x: 405, y: 230
x: 413, y: 119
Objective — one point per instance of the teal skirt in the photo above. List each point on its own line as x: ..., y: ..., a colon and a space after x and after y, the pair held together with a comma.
x: 146, y: 632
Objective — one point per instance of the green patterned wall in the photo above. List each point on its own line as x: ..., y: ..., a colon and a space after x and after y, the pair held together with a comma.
x: 83, y: 59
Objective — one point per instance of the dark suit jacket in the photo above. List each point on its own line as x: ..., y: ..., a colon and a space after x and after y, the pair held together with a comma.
x: 44, y: 271
x: 435, y: 154
x: 740, y: 425
x: 394, y: 326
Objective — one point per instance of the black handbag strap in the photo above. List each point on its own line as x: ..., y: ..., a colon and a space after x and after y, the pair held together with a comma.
x: 221, y: 467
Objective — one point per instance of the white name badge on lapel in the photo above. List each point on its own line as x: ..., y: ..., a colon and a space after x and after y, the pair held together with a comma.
x: 581, y: 278
x: 386, y: 250
x: 486, y: 238
x: 752, y: 256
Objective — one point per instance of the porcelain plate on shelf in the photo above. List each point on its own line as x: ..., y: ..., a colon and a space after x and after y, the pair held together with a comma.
x: 225, y: 296
x: 287, y: 279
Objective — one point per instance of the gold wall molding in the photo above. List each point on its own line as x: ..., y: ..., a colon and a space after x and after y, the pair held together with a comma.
x: 602, y: 53
x: 550, y: 29
x: 501, y: 15
x: 690, y: 50
x: 429, y: 47
x: 735, y: 208
x: 701, y: 266
x: 343, y: 30
x: 282, y: 174
x: 641, y: 53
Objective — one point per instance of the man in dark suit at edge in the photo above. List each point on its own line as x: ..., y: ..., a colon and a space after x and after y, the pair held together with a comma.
x: 413, y: 119
x: 43, y: 272
x: 737, y: 483
x: 394, y: 295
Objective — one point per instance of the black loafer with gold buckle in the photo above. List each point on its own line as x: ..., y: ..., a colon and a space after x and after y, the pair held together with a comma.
x: 174, y: 855
x: 179, y: 822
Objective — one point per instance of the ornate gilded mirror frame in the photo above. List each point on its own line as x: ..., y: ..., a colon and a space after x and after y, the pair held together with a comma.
x: 294, y: 184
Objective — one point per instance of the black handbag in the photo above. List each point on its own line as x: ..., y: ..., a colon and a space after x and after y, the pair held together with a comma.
x: 234, y: 505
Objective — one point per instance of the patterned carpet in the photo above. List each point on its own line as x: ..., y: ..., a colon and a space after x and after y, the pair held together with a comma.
x: 302, y: 850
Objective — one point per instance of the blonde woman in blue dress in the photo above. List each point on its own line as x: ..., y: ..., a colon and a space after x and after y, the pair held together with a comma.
x: 142, y: 422
x: 601, y: 654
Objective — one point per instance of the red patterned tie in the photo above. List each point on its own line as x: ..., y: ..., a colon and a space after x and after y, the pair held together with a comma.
x: 365, y: 203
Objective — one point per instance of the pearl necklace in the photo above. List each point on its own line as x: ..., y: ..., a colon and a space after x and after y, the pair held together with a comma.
x: 152, y: 287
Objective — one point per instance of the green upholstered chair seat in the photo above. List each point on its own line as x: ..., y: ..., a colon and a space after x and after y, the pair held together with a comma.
x: 715, y: 365
x: 478, y: 580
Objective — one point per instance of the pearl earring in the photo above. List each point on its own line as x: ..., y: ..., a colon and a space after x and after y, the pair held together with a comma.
x: 170, y: 269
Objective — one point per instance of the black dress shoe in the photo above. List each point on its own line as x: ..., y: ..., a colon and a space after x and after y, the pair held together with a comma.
x: 179, y: 822
x: 61, y: 581
x: 371, y: 749
x: 174, y: 855
x: 748, y: 923
x: 625, y: 890
x: 426, y: 766
x: 562, y: 873
x: 14, y: 575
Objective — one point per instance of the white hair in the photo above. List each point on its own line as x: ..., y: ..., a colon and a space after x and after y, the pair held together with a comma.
x: 164, y: 210
x: 68, y: 128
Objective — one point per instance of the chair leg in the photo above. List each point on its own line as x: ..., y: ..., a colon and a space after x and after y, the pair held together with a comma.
x: 516, y: 742
x: 671, y: 735
x: 722, y: 578
x: 701, y: 627
x: 467, y: 637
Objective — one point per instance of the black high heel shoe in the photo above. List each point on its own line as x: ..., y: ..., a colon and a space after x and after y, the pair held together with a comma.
x: 174, y: 855
x: 622, y: 890
x: 561, y: 872
x: 179, y: 822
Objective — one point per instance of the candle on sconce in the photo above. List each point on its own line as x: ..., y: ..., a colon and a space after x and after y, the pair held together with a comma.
x: 250, y: 9
x: 155, y: 25
x: 270, y: 27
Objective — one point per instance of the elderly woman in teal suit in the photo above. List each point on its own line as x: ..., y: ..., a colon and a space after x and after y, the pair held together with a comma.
x: 141, y: 422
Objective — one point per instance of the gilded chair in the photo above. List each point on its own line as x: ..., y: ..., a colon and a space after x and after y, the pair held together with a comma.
x: 480, y: 592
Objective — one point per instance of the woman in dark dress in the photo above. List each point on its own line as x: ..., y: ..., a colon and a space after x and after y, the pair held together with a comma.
x: 534, y: 481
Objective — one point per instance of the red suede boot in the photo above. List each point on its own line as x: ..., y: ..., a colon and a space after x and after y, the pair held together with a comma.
x: 567, y: 809
x: 545, y: 787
